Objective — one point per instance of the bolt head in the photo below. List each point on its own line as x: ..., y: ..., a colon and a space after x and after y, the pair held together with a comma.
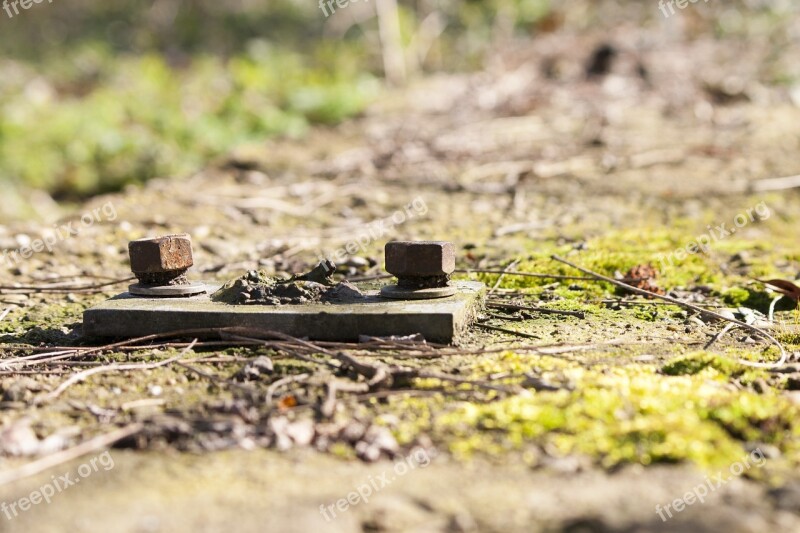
x: 162, y: 254
x: 420, y: 258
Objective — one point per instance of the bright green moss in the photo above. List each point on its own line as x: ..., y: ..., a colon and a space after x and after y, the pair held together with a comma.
x: 694, y: 363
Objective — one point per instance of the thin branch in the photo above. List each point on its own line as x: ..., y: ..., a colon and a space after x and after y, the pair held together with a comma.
x: 298, y: 355
x: 718, y: 336
x: 58, y: 288
x: 516, y: 307
x: 522, y: 274
x: 80, y: 376
x: 295, y: 378
x: 774, y: 184
x: 510, y: 267
x: 216, y: 379
x: 509, y: 331
x: 464, y: 381
x: 636, y: 290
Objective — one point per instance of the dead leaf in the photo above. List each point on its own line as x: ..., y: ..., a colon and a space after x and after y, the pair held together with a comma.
x: 642, y: 276
x: 287, y: 402
x: 787, y: 288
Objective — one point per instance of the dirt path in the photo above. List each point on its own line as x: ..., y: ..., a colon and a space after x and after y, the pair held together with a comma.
x: 268, y: 491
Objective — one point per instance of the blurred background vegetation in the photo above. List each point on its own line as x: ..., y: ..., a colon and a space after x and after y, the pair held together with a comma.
x: 97, y: 95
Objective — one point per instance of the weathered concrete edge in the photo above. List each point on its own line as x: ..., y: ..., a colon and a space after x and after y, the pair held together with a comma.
x: 441, y: 321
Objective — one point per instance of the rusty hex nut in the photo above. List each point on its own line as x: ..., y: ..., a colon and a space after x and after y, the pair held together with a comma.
x: 171, y: 253
x: 418, y: 259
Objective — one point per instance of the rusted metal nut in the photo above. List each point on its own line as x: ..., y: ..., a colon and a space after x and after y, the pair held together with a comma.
x: 420, y: 258
x: 420, y: 264
x: 163, y: 260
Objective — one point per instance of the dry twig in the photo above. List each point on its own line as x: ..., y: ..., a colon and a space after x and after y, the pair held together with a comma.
x: 80, y: 376
x: 643, y: 292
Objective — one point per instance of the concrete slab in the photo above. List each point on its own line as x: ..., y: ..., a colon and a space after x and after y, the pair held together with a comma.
x: 440, y: 321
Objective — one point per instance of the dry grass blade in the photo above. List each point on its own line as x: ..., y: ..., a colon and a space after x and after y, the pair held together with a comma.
x: 297, y: 378
x: 718, y: 336
x: 216, y: 379
x: 295, y: 353
x: 497, y: 283
x: 63, y: 289
x: 80, y: 376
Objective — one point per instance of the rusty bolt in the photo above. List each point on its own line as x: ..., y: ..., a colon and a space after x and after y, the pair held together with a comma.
x: 163, y: 260
x: 420, y: 264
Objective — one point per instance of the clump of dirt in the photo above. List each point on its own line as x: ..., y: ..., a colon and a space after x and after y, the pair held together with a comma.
x: 258, y: 288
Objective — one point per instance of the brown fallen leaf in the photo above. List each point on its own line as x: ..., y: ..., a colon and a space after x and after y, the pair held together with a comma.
x: 785, y: 287
x: 287, y: 402
x: 643, y: 277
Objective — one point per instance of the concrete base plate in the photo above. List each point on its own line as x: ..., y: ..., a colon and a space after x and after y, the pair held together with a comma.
x: 440, y: 321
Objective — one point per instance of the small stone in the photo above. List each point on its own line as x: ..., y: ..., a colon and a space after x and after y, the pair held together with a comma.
x: 727, y: 313
x: 367, y: 453
x: 343, y: 292
x: 19, y: 439
x: 353, y: 432
x: 301, y: 432
x: 278, y: 427
x: 793, y: 382
x: 742, y: 258
x: 356, y: 262
x: 256, y: 368
x: 787, y: 497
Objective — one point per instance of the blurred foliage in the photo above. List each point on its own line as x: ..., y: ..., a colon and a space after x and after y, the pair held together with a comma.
x: 109, y: 120
x: 97, y: 95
